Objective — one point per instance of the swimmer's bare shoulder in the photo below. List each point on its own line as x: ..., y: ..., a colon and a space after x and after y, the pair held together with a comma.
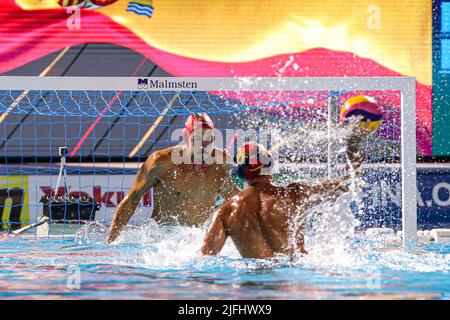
x: 227, y: 217
x: 245, y: 202
x: 160, y: 158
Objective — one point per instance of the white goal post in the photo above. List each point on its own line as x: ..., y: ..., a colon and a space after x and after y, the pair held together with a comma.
x: 405, y: 85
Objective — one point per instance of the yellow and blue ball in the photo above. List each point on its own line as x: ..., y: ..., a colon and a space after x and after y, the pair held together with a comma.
x: 365, y: 107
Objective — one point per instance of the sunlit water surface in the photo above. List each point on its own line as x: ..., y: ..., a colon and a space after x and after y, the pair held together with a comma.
x: 162, y: 263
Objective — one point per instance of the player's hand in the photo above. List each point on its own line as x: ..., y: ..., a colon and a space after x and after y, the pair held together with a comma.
x: 358, y: 134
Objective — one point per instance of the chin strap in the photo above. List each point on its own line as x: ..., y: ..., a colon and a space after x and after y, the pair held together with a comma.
x: 202, y: 166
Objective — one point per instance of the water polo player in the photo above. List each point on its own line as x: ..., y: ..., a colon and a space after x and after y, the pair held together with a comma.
x: 259, y: 218
x: 184, y: 192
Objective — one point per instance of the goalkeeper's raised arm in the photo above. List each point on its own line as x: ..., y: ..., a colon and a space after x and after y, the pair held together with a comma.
x: 148, y: 175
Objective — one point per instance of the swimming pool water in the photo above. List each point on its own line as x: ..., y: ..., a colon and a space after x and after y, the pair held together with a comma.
x: 162, y: 263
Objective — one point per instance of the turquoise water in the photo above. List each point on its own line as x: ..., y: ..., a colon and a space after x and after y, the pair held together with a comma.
x: 162, y: 263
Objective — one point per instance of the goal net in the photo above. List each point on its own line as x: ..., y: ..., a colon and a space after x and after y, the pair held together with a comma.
x: 111, y: 125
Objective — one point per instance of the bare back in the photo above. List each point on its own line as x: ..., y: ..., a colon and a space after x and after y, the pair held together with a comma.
x: 265, y: 220
x: 259, y: 221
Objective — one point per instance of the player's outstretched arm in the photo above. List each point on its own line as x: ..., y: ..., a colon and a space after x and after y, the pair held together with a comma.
x: 355, y: 155
x: 330, y: 190
x: 146, y: 178
x: 313, y: 194
x: 216, y: 235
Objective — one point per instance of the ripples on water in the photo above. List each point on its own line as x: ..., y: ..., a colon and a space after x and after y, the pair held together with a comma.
x: 160, y: 262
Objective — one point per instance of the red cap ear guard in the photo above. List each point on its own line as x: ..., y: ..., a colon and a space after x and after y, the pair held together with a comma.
x: 195, y: 121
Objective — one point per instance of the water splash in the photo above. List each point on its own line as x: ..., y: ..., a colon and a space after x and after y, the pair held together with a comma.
x: 330, y: 236
x: 157, y: 246
x: 91, y: 233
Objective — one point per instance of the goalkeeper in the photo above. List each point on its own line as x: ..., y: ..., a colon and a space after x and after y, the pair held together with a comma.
x: 184, y: 192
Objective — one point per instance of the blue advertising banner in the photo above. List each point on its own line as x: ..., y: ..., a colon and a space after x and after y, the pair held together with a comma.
x: 433, y: 198
x: 380, y: 205
x: 382, y: 198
